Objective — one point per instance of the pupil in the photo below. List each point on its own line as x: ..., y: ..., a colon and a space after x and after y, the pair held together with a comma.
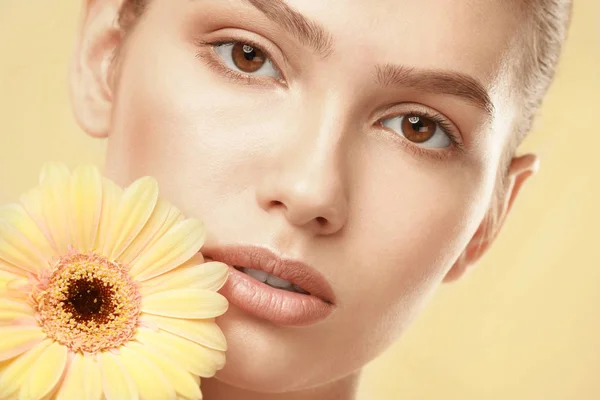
x: 417, y: 124
x: 249, y: 52
x: 86, y: 298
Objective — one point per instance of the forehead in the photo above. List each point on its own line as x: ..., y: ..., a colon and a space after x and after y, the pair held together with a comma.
x: 468, y: 36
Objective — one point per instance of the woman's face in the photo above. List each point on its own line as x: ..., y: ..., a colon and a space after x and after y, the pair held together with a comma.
x: 362, y: 138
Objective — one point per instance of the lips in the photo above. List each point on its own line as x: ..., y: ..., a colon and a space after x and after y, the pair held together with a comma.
x: 279, y: 306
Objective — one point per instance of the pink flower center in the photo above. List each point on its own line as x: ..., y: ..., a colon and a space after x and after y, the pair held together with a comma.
x: 88, y: 303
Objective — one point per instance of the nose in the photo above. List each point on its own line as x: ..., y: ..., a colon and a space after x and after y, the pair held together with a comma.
x: 308, y: 186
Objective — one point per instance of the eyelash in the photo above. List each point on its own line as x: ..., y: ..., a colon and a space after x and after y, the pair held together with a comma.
x: 446, y: 127
x: 214, y: 62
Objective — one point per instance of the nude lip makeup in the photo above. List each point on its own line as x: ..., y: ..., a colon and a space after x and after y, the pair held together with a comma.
x: 306, y: 298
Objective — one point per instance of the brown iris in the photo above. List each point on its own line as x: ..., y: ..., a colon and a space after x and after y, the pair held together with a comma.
x: 247, y: 58
x: 418, y: 129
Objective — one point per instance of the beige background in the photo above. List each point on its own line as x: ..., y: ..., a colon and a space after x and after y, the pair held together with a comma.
x: 524, y: 325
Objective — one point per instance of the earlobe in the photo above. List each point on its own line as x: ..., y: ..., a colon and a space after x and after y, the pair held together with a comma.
x: 521, y: 168
x: 90, y: 77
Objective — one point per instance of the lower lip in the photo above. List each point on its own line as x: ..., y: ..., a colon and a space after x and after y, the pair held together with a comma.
x: 276, y: 305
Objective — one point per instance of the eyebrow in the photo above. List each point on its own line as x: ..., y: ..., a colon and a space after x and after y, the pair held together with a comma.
x: 314, y: 35
x: 435, y: 81
x: 308, y: 32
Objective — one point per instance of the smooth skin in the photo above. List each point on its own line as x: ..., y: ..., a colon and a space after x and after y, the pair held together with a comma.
x: 309, y: 155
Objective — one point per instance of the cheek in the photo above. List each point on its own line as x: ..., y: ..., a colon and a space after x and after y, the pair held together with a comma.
x: 192, y: 130
x: 419, y: 220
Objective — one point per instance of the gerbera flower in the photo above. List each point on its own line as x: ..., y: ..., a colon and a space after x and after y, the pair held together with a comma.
x: 104, y: 294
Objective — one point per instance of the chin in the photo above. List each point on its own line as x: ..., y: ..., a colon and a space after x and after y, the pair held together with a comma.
x: 263, y: 357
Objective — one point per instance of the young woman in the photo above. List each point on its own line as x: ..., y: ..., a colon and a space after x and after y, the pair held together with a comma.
x: 346, y: 156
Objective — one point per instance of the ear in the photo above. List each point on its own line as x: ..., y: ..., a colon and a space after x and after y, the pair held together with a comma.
x: 521, y: 168
x: 91, y: 88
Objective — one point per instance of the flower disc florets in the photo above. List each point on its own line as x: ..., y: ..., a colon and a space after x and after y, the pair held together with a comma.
x: 88, y: 303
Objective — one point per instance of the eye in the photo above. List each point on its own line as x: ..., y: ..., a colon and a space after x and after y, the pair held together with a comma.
x: 247, y: 59
x: 420, y: 130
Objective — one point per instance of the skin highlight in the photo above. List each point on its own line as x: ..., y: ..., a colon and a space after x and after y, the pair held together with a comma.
x: 305, y: 160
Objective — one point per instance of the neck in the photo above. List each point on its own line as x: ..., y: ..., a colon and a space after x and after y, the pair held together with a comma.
x: 341, y: 389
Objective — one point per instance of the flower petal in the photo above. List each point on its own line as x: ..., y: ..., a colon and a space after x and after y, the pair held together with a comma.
x: 45, y: 373
x: 173, y: 218
x: 16, y: 215
x: 185, y: 303
x: 17, y: 306
x: 8, y: 268
x: 9, y: 318
x: 7, y: 276
x: 83, y: 374
x: 53, y: 170
x: 72, y: 386
x: 17, y: 250
x: 184, y: 383
x: 32, y: 203
x: 111, y: 197
x: 208, y: 276
x: 116, y: 382
x: 197, y: 359
x: 54, y: 192
x: 92, y: 387
x: 174, y: 248
x: 85, y: 206
x: 136, y: 206
x: 150, y: 381
x: 15, y: 287
x: 147, y: 234
x: 15, y: 374
x: 15, y: 340
x: 204, y: 331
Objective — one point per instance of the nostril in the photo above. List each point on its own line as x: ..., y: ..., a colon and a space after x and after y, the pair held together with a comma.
x: 322, y: 221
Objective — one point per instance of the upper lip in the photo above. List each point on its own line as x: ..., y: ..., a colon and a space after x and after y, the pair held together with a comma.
x: 261, y: 258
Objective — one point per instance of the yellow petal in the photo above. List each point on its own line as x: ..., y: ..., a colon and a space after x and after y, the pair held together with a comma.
x: 15, y: 374
x: 173, y: 218
x: 116, y: 382
x: 17, y: 288
x: 185, y: 303
x: 53, y: 170
x: 7, y: 276
x: 208, y: 276
x: 202, y: 331
x: 14, y: 312
x: 15, y: 340
x: 17, y: 250
x: 13, y: 305
x: 54, y: 195
x: 82, y: 380
x: 150, y: 381
x: 16, y: 215
x: 8, y: 318
x: 32, y: 203
x: 85, y: 206
x: 136, y: 206
x: 173, y: 249
x: 92, y: 387
x: 72, y: 386
x: 8, y: 268
x: 194, y: 358
x: 184, y: 383
x: 149, y: 231
x: 45, y: 373
x: 111, y: 197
